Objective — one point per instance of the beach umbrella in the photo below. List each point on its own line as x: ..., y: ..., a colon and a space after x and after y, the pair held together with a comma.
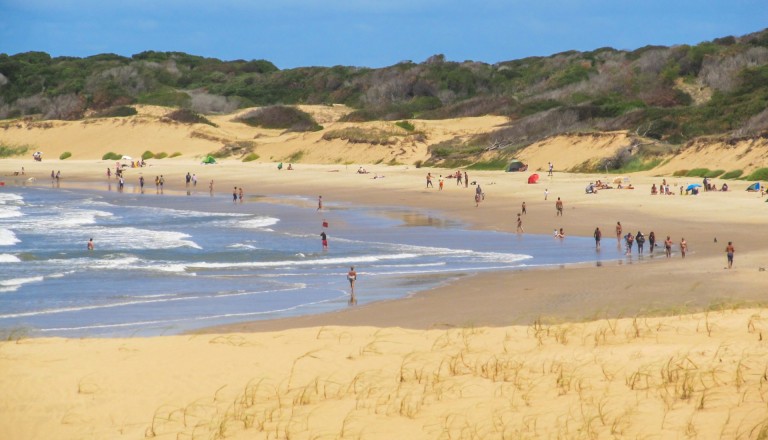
x: 533, y: 178
x: 692, y: 186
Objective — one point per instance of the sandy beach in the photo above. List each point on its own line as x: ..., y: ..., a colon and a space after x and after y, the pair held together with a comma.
x: 658, y: 348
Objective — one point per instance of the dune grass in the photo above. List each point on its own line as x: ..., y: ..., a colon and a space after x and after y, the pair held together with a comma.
x: 515, y: 382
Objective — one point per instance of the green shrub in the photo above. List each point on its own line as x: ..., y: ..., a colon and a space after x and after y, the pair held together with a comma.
x: 176, y: 154
x: 714, y: 173
x: 406, y: 125
x: 357, y: 135
x: 117, y: 112
x: 112, y: 156
x: 8, y: 150
x: 295, y: 157
x: 758, y: 174
x: 680, y: 173
x: 636, y: 164
x: 280, y: 117
x: 65, y: 155
x: 735, y: 174
x: 251, y: 157
x: 147, y: 155
x: 166, y: 98
x: 161, y: 155
x: 188, y: 117
x: 494, y: 164
x: 697, y: 172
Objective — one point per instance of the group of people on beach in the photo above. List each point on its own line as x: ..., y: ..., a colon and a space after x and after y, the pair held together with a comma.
x: 461, y: 177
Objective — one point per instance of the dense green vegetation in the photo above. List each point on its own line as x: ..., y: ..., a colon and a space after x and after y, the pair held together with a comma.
x: 735, y: 174
x: 280, y: 117
x: 759, y: 174
x: 670, y: 94
x: 111, y: 156
x: 65, y: 155
x: 13, y: 150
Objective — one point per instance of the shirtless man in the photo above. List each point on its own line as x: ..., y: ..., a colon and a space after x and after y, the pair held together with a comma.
x: 519, y: 224
x: 618, y: 231
x: 90, y: 244
x: 559, y: 207
x: 668, y: 246
x: 729, y: 250
x: 683, y: 247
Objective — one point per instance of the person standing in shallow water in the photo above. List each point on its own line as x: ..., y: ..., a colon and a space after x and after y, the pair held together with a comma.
x: 324, y: 240
x: 90, y: 244
x: 352, y: 277
x: 598, y: 236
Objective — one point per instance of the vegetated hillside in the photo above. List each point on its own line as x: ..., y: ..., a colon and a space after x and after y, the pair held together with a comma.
x: 671, y: 95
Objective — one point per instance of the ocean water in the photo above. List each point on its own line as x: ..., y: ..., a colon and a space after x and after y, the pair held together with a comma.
x: 164, y: 264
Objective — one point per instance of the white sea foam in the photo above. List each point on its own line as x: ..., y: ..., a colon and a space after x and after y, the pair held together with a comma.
x: 139, y: 238
x: 316, y: 262
x: 9, y: 258
x: 10, y: 211
x: 15, y: 283
x: 7, y: 237
x: 131, y: 303
x: 242, y: 246
x: 8, y: 198
x: 61, y: 220
x: 258, y: 222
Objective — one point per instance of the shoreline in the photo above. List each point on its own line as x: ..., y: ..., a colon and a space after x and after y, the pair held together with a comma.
x: 479, y: 300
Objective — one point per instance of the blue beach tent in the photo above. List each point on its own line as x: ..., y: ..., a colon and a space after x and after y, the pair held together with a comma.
x: 754, y: 187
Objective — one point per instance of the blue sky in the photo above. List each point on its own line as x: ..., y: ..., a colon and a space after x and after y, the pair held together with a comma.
x: 367, y: 33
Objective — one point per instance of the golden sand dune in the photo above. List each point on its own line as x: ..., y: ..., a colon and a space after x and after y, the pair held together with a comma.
x: 693, y: 376
x: 150, y: 130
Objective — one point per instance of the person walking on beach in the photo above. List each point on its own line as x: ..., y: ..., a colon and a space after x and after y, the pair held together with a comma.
x: 458, y: 178
x: 234, y: 195
x: 598, y: 235
x: 668, y: 246
x: 640, y: 240
x: 683, y: 247
x: 729, y: 251
x: 551, y: 167
x: 157, y: 184
x: 618, y: 231
x: 466, y: 180
x: 559, y: 207
x: 141, y: 184
x: 519, y: 224
x: 352, y: 277
x: 629, y: 239
x: 324, y: 240
x: 546, y: 193
x: 90, y: 244
x: 652, y: 240
x: 240, y: 194
x: 319, y: 203
x: 524, y: 211
x: 440, y: 182
x: 429, y: 180
x: 109, y: 173
x: 162, y: 182
x: 210, y: 187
